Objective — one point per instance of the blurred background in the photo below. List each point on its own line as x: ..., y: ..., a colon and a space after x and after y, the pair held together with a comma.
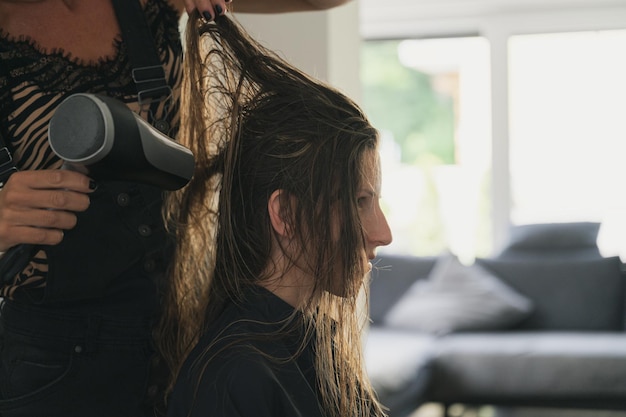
x: 492, y: 112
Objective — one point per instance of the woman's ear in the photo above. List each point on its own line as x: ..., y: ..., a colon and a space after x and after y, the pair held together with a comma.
x: 277, y: 207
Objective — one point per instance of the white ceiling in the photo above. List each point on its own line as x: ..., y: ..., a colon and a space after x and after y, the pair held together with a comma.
x: 402, y: 18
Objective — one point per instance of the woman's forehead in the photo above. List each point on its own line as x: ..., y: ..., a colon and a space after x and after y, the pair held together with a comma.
x: 370, y: 170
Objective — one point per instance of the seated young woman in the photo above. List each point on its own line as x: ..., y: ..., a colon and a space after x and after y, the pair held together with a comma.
x: 277, y: 230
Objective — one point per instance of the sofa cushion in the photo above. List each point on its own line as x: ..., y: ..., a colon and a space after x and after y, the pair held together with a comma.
x: 458, y: 297
x: 530, y: 367
x: 391, y: 277
x: 573, y: 239
x: 397, y: 363
x: 573, y: 294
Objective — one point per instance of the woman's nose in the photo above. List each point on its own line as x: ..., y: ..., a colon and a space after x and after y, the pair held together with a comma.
x: 379, y: 231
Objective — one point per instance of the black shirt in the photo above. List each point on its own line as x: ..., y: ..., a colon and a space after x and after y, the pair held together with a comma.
x: 248, y: 363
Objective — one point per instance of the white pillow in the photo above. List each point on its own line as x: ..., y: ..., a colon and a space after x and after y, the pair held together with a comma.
x: 458, y: 297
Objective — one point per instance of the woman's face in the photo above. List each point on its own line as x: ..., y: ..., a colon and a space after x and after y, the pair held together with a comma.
x: 375, y: 227
x: 376, y: 233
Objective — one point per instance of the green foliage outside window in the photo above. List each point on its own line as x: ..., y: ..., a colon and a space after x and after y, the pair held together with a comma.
x: 417, y: 110
x: 402, y: 101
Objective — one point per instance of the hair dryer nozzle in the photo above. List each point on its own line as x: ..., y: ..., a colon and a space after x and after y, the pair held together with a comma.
x: 104, y: 136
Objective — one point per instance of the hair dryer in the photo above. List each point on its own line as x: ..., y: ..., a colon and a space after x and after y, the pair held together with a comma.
x: 103, y: 138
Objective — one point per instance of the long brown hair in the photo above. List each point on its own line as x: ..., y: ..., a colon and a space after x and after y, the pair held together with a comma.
x: 257, y: 124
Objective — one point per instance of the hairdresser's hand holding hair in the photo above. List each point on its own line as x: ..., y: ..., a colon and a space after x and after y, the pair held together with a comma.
x: 280, y: 222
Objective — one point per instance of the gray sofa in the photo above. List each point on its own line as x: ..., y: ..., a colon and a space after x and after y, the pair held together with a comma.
x: 540, y: 324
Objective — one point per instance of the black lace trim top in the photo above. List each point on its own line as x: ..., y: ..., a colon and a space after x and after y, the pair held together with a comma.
x: 34, y: 82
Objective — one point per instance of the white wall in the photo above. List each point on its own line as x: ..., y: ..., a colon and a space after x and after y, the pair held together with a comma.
x: 325, y: 44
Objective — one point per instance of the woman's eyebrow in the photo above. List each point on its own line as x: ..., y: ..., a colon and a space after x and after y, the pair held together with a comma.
x: 370, y: 192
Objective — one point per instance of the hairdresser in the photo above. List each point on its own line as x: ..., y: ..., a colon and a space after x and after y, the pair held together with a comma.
x: 76, y: 320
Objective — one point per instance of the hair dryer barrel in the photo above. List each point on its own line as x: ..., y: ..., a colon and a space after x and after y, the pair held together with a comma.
x: 111, y: 142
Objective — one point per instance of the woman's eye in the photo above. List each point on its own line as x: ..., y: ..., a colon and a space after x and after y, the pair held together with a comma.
x: 362, y: 202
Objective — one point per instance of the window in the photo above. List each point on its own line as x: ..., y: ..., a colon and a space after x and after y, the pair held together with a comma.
x: 557, y: 120
x: 430, y: 100
x: 567, y: 126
